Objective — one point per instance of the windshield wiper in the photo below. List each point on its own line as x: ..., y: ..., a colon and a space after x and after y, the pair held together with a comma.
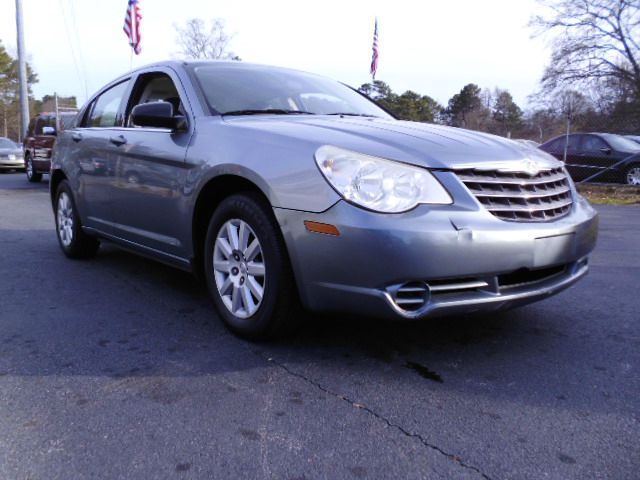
x: 352, y: 114
x: 267, y: 111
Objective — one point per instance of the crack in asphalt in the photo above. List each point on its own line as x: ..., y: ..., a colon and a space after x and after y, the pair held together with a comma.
x: 360, y: 406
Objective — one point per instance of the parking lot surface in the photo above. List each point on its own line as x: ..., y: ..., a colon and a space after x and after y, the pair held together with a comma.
x: 118, y: 367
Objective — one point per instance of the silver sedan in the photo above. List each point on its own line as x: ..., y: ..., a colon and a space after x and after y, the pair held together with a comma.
x: 287, y: 189
x: 11, y: 157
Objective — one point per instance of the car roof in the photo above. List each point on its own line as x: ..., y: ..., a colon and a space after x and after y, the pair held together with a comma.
x: 177, y: 64
x: 53, y: 114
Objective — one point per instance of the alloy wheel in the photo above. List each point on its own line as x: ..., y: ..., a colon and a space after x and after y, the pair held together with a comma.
x: 633, y: 176
x: 29, y: 168
x: 239, y: 269
x: 65, y: 219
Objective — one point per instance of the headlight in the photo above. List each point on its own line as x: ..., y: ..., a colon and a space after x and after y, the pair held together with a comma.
x: 379, y: 184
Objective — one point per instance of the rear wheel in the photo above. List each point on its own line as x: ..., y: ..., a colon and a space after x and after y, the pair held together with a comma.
x: 247, y: 269
x: 72, y: 239
x: 632, y: 176
x: 32, y: 175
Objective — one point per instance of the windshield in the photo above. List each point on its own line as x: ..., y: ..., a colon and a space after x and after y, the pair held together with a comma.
x: 6, y: 143
x: 618, y: 142
x: 244, y: 90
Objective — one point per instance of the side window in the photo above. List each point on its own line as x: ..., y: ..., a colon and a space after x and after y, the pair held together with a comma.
x: 592, y: 143
x: 572, y: 145
x: 67, y: 121
x: 155, y: 87
x: 555, y: 146
x: 104, y: 112
x: 32, y: 125
x: 40, y: 122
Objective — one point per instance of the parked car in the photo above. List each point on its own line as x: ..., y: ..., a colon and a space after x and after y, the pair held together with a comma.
x: 38, y: 144
x: 635, y: 138
x: 590, y: 153
x: 10, y: 155
x: 284, y: 187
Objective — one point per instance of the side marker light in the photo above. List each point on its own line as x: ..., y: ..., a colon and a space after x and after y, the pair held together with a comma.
x: 325, y: 228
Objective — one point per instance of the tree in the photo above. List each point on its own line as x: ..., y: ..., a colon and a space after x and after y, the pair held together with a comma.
x: 9, y: 94
x: 200, y: 41
x: 506, y: 114
x: 597, y: 41
x: 463, y: 104
x: 418, y: 108
x: 381, y: 93
x: 541, y: 124
x: 377, y: 90
x: 408, y: 106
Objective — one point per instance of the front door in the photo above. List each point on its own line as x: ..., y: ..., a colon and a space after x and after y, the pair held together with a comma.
x: 596, y: 155
x: 574, y: 162
x: 150, y: 173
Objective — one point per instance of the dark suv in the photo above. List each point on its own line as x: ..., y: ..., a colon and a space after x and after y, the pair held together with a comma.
x: 40, y: 139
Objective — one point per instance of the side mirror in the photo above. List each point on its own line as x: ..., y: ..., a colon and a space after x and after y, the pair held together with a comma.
x: 158, y: 115
x: 48, y: 131
x: 606, y: 150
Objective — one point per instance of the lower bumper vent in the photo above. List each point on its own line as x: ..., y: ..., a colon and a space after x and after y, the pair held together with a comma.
x: 413, y: 299
x: 411, y: 296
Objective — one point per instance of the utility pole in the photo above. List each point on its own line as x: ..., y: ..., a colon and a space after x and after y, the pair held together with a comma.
x: 22, y: 70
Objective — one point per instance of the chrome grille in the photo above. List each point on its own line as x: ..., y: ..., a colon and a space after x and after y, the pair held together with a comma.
x: 518, y: 196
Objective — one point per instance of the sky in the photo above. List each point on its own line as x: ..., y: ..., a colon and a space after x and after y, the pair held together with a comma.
x: 431, y: 47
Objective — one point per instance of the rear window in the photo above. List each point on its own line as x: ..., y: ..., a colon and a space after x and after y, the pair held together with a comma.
x: 67, y: 121
x: 618, y: 142
x: 557, y: 145
x: 107, y: 106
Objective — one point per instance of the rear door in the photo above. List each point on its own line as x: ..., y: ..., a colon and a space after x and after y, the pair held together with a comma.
x: 150, y: 171
x: 93, y: 155
x: 573, y: 161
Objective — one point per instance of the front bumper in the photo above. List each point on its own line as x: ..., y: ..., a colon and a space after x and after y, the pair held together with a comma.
x: 467, y: 259
x: 6, y: 164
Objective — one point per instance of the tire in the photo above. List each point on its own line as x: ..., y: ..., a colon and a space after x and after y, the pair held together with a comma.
x: 238, y: 270
x: 32, y: 175
x: 72, y: 239
x: 632, y: 175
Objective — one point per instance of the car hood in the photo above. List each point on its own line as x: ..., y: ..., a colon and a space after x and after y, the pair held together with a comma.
x: 423, y: 144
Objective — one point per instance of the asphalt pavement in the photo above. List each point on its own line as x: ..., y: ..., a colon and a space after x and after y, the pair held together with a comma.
x: 118, y: 368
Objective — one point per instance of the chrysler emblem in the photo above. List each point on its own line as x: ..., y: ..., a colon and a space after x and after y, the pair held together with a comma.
x: 531, y: 167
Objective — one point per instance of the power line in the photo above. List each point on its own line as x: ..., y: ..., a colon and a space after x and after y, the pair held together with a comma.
x: 79, y: 45
x: 71, y: 44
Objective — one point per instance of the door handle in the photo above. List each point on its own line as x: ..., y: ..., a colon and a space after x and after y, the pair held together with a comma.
x: 119, y: 140
x: 76, y: 137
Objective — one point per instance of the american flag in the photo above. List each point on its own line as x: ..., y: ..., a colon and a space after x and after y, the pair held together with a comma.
x: 132, y: 25
x: 374, y: 57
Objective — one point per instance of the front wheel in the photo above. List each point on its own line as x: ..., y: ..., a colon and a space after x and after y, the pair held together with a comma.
x: 247, y: 269
x: 72, y: 239
x: 32, y: 175
x: 632, y: 177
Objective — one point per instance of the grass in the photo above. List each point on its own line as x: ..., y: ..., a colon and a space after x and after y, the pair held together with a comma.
x: 610, y: 194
